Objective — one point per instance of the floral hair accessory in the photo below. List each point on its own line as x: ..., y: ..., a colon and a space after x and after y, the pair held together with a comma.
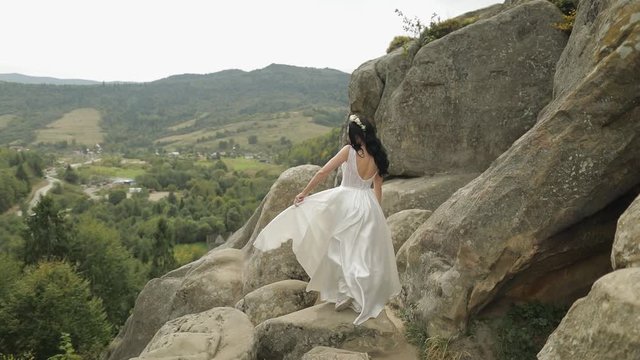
x: 356, y: 119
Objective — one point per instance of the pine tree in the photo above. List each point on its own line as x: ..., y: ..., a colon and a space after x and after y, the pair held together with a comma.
x: 47, y: 234
x: 70, y: 175
x: 21, y: 174
x: 163, y: 260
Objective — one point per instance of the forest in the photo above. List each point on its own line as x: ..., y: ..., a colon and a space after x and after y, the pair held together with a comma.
x: 74, y: 266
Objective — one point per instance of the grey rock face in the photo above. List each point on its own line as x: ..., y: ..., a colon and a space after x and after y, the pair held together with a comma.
x: 403, y: 223
x: 459, y: 105
x: 603, y: 325
x: 327, y: 353
x: 218, y: 334
x: 626, y: 246
x: 212, y: 281
x: 321, y: 325
x: 574, y: 162
x: 427, y: 192
x: 277, y: 299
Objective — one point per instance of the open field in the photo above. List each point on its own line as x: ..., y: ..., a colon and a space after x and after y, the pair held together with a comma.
x: 81, y: 125
x: 293, y: 126
x: 248, y: 166
x: 5, y: 120
x: 251, y: 166
x: 129, y: 172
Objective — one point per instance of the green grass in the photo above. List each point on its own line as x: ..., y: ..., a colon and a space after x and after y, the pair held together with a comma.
x: 252, y: 165
x: 80, y: 125
x: 188, y: 123
x: 186, y: 253
x: 429, y: 347
x: 129, y: 172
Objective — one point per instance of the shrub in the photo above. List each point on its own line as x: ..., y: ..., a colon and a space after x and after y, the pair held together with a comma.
x: 47, y: 301
x: 116, y: 196
x: 566, y: 25
x: 524, y: 330
x: 430, y: 348
x: 398, y: 42
x: 438, y: 29
x: 568, y: 8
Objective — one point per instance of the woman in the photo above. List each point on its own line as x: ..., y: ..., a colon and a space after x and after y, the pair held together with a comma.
x: 340, y: 236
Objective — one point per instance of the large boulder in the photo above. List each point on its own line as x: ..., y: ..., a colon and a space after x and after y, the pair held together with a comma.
x: 603, y: 325
x: 626, y: 246
x: 365, y: 89
x: 460, y: 105
x: 373, y: 82
x: 403, y: 223
x: 218, y: 334
x: 150, y: 312
x: 214, y: 280
x: 427, y: 192
x: 262, y: 268
x: 289, y: 337
x: 575, y: 161
x: 277, y: 299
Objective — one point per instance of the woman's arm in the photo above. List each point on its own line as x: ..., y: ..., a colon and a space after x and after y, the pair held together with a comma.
x: 377, y: 188
x: 322, y: 174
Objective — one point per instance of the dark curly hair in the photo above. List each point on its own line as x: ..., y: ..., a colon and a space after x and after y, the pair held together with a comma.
x: 370, y: 140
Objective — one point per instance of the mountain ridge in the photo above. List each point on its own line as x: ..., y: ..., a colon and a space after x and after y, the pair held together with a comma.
x: 20, y: 78
x: 29, y: 79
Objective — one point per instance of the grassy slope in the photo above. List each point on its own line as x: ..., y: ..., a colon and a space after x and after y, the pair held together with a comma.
x: 5, y: 120
x: 81, y: 125
x: 293, y: 126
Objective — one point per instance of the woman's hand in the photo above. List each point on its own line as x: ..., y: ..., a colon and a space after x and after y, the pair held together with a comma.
x: 299, y: 198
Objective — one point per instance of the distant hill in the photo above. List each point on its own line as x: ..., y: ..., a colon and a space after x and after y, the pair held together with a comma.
x: 26, y: 79
x: 138, y: 114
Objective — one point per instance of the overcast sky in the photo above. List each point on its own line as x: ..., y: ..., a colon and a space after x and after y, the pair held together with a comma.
x: 145, y: 40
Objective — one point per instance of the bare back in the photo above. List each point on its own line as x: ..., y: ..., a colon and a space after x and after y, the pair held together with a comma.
x: 365, y: 164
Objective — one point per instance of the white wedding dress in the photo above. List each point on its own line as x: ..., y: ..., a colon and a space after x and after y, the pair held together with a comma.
x: 341, y: 239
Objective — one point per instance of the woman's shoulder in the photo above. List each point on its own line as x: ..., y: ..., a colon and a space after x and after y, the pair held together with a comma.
x: 345, y: 150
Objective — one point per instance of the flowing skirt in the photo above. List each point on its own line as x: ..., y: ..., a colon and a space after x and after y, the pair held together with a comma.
x: 341, y: 239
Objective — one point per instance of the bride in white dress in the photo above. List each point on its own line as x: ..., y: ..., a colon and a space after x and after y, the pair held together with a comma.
x: 340, y: 236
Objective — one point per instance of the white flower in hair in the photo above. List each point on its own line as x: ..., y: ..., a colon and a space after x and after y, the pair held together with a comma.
x: 354, y: 118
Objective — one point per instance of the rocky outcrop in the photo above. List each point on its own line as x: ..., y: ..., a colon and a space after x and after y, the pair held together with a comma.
x: 403, y: 223
x: 603, y: 325
x: 574, y: 162
x: 427, y: 192
x: 626, y: 246
x: 220, y: 334
x: 262, y: 268
x: 321, y: 325
x: 460, y: 105
x: 214, y: 280
x: 327, y: 353
x: 277, y: 299
x: 148, y: 316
